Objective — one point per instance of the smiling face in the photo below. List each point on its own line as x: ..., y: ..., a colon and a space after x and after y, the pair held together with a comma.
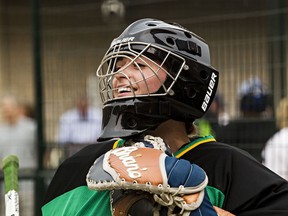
x: 139, y: 76
x: 131, y: 70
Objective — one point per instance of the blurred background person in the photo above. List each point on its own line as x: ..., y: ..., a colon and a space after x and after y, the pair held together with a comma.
x: 17, y: 133
x: 18, y: 136
x: 255, y: 100
x: 275, y: 152
x: 79, y: 126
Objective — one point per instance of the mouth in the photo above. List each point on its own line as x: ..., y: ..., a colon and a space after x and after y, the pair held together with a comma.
x: 125, y: 91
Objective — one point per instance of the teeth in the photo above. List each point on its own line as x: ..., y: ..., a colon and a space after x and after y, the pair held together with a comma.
x: 124, y: 89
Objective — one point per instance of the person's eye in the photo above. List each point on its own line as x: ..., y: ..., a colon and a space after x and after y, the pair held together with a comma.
x: 141, y: 65
x: 119, y: 64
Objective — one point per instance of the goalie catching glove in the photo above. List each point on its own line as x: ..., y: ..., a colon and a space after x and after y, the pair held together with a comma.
x: 175, y: 183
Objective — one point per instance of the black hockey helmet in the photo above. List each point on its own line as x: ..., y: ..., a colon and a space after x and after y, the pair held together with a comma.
x: 185, y: 95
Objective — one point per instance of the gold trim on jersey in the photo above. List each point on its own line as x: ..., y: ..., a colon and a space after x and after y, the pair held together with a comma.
x: 193, y: 144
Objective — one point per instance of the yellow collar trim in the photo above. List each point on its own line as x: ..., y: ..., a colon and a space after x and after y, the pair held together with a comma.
x: 194, y: 144
x: 118, y: 143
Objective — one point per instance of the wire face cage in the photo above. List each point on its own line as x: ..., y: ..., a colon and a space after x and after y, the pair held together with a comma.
x: 135, y: 69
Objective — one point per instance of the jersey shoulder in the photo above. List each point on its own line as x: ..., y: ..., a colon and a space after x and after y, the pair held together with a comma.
x: 72, y: 172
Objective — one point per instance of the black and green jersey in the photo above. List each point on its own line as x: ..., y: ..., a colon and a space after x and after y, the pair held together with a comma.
x: 237, y: 182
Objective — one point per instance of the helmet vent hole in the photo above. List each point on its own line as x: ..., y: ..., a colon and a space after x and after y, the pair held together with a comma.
x: 204, y: 75
x: 188, y: 35
x: 132, y: 123
x: 170, y: 41
x: 191, y: 93
x: 151, y: 24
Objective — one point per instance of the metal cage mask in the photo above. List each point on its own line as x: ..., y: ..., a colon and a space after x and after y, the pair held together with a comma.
x: 139, y: 55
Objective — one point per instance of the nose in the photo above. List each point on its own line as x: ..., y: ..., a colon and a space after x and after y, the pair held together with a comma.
x: 123, y: 76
